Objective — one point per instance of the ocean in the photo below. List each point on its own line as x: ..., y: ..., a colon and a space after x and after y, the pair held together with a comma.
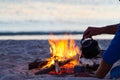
x: 44, y: 16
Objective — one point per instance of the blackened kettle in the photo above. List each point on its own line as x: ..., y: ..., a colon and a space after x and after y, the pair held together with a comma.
x: 90, y: 48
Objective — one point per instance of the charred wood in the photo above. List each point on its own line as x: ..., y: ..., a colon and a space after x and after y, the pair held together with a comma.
x: 52, y: 67
x: 37, y: 64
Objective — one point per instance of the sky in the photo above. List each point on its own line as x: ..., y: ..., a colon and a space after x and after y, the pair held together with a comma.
x: 57, y: 15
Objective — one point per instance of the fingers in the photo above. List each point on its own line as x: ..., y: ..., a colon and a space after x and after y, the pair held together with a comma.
x: 87, y: 33
x: 87, y: 36
x: 92, y: 31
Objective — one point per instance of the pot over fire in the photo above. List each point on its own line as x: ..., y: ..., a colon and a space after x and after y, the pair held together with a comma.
x: 89, y: 48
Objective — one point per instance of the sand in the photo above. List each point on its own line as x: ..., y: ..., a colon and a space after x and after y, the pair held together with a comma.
x: 16, y: 54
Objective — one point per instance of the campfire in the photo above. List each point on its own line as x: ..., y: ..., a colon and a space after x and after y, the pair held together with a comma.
x: 63, y: 51
x: 65, y: 55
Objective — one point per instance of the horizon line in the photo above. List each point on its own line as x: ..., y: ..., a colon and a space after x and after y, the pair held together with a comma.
x: 41, y: 33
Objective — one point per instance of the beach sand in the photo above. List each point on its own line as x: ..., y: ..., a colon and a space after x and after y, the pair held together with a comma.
x: 16, y: 54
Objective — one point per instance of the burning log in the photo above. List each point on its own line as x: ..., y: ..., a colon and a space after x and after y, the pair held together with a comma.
x: 38, y: 63
x: 52, y: 67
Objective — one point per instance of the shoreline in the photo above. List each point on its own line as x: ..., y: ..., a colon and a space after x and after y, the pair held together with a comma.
x: 46, y: 37
x: 41, y: 33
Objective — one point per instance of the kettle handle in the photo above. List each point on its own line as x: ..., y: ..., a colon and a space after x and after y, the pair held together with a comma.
x: 84, y: 39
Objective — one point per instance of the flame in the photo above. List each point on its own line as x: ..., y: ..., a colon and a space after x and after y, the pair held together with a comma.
x: 63, y: 49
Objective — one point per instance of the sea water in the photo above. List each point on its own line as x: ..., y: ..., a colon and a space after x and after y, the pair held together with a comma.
x: 57, y: 15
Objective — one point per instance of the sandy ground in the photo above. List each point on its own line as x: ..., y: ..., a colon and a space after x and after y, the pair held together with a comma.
x: 16, y: 54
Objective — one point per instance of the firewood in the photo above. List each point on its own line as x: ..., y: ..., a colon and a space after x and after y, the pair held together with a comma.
x: 37, y: 64
x: 52, y: 67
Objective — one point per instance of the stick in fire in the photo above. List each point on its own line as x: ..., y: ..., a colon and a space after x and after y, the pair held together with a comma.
x: 57, y: 68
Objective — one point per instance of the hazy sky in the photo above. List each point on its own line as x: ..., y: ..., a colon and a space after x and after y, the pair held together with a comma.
x: 57, y: 14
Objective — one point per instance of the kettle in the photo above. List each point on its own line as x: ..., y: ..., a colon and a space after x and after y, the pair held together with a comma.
x: 89, y: 48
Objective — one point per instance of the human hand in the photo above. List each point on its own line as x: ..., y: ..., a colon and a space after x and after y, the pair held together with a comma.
x: 91, y: 31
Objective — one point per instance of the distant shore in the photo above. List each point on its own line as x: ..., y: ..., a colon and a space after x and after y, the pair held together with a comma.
x: 41, y: 33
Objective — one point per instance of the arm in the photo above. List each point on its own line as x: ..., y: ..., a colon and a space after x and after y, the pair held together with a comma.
x: 110, y: 29
x: 103, y: 69
x: 91, y: 31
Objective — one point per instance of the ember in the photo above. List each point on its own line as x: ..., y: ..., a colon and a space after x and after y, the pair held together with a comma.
x: 63, y: 70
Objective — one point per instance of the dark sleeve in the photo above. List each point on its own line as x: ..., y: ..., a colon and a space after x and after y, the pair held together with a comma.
x: 112, y: 54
